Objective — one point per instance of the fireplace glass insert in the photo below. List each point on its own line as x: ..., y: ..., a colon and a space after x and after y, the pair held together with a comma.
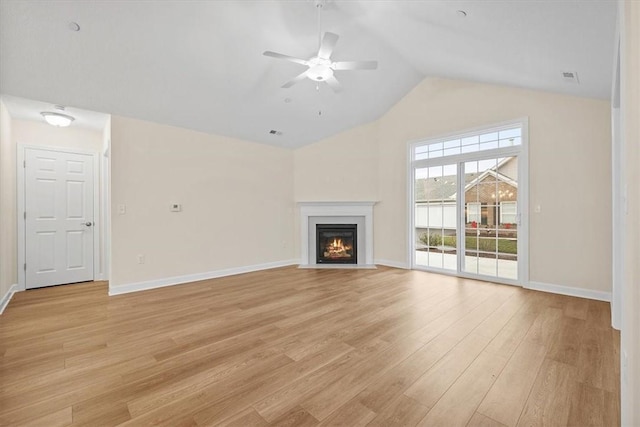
x: 336, y: 243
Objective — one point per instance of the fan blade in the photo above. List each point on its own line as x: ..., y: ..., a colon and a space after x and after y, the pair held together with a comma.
x: 355, y: 65
x: 287, y: 57
x: 297, y: 79
x: 334, y: 84
x: 328, y: 43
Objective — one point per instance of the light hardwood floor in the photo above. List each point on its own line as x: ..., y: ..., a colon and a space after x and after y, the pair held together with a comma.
x: 306, y: 347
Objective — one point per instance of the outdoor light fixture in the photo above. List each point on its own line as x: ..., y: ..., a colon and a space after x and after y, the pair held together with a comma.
x: 57, y: 119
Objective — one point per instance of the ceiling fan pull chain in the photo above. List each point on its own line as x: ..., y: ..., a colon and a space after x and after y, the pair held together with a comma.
x: 319, y: 8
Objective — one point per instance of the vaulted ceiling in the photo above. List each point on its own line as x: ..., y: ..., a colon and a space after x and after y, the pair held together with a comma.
x: 199, y: 64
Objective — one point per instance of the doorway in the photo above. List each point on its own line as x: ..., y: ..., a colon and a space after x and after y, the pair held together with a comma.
x: 58, y: 197
x: 468, y: 193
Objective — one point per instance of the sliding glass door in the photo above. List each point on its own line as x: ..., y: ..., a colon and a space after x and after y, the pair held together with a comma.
x: 467, y: 194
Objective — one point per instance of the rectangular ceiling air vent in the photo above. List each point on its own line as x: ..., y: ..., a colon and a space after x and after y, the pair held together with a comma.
x: 570, y: 77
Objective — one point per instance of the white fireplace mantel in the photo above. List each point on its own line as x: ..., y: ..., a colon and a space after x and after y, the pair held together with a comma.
x: 336, y: 209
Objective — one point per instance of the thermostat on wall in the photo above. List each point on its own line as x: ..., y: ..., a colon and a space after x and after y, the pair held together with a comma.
x: 176, y: 207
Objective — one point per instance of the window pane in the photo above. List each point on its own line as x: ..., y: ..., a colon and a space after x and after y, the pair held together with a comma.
x: 489, y: 137
x: 450, y: 170
x: 452, y: 143
x: 420, y: 153
x: 470, y: 140
x: 489, y: 145
x: 435, y: 147
x: 510, y: 133
x: 452, y: 151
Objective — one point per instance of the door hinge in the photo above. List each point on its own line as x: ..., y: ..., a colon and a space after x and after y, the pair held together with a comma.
x: 25, y: 215
x: 24, y: 163
x: 25, y: 266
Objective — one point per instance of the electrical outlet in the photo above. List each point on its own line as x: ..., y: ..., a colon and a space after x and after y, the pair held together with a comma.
x: 176, y: 207
x: 122, y: 209
x: 141, y: 259
x: 537, y: 209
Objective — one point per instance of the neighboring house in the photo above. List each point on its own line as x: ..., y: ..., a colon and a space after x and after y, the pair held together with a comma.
x: 490, y: 200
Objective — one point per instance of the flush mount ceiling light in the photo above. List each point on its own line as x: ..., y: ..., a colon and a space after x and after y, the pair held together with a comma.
x: 57, y: 119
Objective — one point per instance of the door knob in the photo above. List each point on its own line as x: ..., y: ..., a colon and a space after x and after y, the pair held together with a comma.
x: 88, y: 223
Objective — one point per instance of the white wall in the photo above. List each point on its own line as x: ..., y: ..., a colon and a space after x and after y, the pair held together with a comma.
x: 236, y: 198
x: 8, y: 232
x: 350, y: 176
x: 569, y: 171
x: 630, y: 115
x: 40, y: 133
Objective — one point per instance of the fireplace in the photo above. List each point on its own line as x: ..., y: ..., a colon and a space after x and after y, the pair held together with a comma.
x: 336, y: 243
x: 313, y: 214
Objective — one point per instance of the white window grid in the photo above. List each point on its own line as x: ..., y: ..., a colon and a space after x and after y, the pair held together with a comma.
x: 485, y: 141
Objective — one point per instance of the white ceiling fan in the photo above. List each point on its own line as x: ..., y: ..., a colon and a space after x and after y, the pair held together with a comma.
x: 321, y: 67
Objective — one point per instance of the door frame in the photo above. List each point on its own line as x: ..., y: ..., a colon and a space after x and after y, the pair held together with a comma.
x: 21, y: 199
x: 522, y: 153
x: 619, y: 196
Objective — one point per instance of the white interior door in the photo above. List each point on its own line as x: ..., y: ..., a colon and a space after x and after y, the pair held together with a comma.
x: 59, y: 220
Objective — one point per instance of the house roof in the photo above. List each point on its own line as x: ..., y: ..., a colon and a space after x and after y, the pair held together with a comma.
x: 200, y: 64
x: 447, y: 188
x: 426, y: 192
x: 498, y: 176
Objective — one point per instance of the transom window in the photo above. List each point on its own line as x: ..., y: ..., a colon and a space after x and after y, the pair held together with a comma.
x: 486, y: 141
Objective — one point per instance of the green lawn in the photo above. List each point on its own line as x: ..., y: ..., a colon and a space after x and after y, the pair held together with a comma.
x: 505, y: 246
x: 487, y: 244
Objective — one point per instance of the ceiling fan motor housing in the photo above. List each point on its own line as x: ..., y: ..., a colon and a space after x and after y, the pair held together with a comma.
x: 319, y: 69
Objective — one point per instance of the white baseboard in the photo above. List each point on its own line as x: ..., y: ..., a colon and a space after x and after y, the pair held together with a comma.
x: 570, y: 291
x: 7, y: 297
x: 177, y: 280
x: 394, y: 264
